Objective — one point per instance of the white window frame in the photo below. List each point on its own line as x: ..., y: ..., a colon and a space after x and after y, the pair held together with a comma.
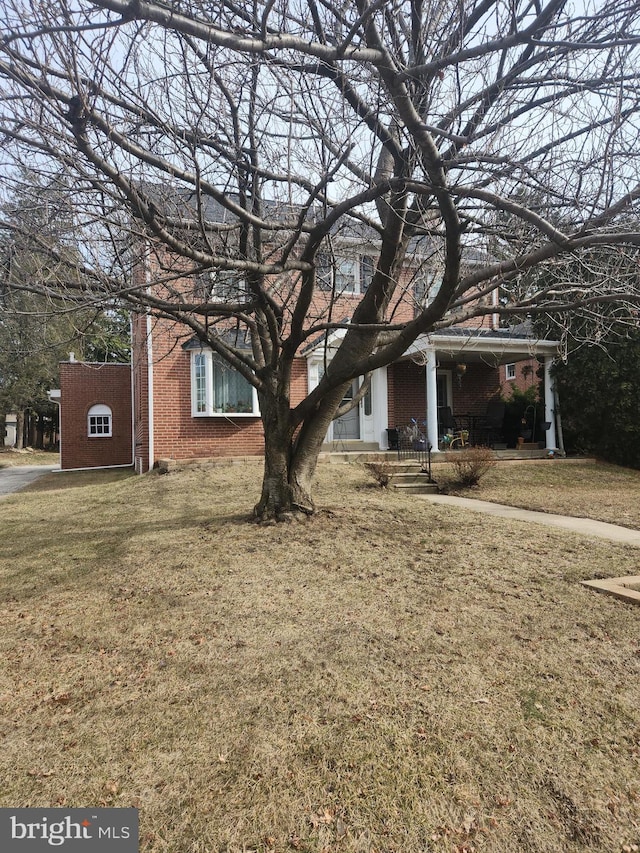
x: 218, y: 285
x: 425, y: 288
x: 367, y: 270
x: 202, y: 402
x: 344, y: 273
x: 510, y: 371
x: 99, y: 412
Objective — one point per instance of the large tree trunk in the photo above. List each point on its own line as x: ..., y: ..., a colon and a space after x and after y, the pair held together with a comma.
x: 286, y: 486
x: 290, y: 460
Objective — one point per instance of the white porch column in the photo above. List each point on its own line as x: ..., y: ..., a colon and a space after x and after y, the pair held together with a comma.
x: 549, y: 411
x: 432, y: 400
x: 380, y: 412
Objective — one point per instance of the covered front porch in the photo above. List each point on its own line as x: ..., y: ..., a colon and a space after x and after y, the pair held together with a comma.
x: 449, y: 386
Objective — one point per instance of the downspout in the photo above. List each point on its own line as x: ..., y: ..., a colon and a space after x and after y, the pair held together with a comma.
x: 147, y: 273
x: 556, y: 400
x: 549, y: 405
x: 57, y: 401
x: 133, y: 395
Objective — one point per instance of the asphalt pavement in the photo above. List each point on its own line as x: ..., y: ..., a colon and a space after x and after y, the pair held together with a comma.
x: 16, y: 477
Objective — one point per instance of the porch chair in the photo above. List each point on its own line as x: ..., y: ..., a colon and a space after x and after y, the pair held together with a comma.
x: 450, y: 433
x: 490, y: 425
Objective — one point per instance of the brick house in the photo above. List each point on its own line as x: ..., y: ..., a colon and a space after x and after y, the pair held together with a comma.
x: 177, y: 400
x: 163, y: 406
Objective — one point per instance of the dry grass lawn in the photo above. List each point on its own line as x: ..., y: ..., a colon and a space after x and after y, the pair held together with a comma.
x: 10, y: 457
x: 390, y: 676
x: 579, y: 488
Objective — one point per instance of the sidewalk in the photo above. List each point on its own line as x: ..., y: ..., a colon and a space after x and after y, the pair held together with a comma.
x: 584, y: 526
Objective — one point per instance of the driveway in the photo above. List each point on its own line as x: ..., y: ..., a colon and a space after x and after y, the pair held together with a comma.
x: 17, y: 477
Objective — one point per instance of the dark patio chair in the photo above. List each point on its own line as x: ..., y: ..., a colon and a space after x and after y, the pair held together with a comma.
x: 490, y: 426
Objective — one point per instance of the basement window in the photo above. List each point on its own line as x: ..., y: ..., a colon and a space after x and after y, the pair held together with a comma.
x: 99, y: 421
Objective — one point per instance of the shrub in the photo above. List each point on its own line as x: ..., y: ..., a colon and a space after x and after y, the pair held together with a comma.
x: 470, y: 464
x: 599, y: 392
x: 381, y: 472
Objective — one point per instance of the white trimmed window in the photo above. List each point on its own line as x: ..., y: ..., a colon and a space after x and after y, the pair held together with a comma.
x: 221, y: 286
x: 425, y: 288
x: 99, y: 421
x: 510, y: 371
x: 350, y: 275
x: 217, y: 389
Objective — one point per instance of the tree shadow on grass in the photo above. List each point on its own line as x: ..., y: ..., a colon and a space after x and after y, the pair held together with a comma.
x: 63, y: 480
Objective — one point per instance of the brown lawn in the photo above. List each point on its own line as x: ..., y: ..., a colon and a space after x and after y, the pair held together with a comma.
x: 583, y: 488
x: 389, y: 676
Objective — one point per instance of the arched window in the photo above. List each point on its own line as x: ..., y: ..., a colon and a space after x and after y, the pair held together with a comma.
x: 99, y: 421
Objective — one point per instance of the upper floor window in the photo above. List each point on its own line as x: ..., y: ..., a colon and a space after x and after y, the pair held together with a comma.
x: 219, y: 389
x: 221, y: 286
x: 510, y: 371
x: 99, y: 421
x: 425, y: 288
x: 367, y: 269
x: 344, y: 274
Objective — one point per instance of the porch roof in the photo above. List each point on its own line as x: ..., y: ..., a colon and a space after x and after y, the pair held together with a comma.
x: 491, y: 346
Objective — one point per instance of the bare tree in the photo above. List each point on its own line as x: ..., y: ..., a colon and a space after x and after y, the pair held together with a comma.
x: 281, y: 127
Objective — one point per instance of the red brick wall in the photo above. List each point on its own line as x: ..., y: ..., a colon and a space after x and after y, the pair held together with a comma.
x: 526, y: 377
x: 472, y: 391
x: 177, y: 434
x: 407, y: 394
x: 83, y: 386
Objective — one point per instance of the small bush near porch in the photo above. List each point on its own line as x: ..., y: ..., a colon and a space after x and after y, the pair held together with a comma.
x: 470, y: 464
x: 390, y: 676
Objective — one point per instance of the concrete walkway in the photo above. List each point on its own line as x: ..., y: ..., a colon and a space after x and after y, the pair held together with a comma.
x: 16, y: 477
x: 584, y: 526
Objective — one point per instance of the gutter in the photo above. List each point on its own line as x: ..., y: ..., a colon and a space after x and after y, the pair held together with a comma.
x: 93, y: 468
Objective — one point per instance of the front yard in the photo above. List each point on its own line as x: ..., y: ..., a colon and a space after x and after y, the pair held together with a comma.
x: 580, y: 488
x: 390, y: 676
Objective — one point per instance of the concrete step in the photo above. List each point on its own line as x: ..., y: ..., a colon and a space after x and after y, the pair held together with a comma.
x: 416, y: 488
x: 414, y: 476
x: 398, y: 468
x: 527, y: 453
x: 414, y: 482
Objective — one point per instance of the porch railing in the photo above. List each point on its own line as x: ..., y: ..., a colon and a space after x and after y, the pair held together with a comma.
x: 412, y: 444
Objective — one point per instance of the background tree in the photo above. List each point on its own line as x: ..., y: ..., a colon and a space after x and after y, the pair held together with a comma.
x: 36, y: 333
x: 600, y: 394
x: 413, y: 125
